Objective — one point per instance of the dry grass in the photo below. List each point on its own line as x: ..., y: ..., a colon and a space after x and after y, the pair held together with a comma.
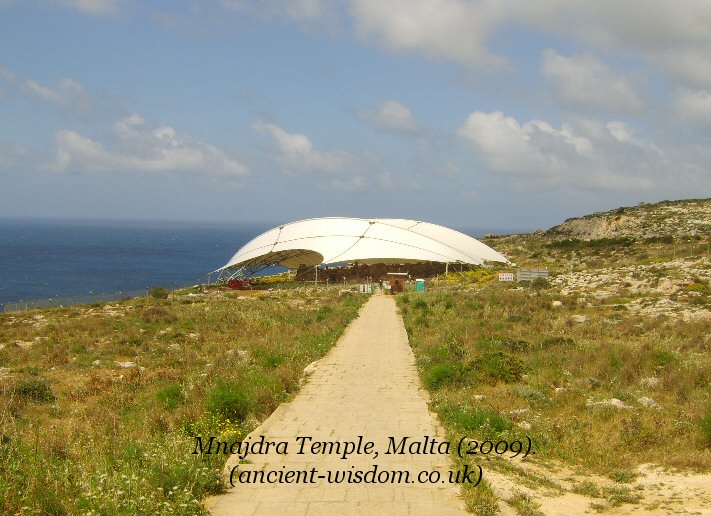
x: 602, y: 383
x: 535, y: 367
x: 98, y: 404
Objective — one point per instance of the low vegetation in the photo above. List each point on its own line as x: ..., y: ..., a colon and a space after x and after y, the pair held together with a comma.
x: 503, y: 362
x: 99, y: 405
x: 605, y: 365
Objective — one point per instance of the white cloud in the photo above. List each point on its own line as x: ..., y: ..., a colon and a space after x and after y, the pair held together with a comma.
x: 134, y: 146
x: 66, y: 94
x: 672, y: 36
x: 453, y: 30
x: 623, y: 23
x: 295, y: 153
x: 694, y: 106
x: 93, y: 7
x: 589, y: 156
x: 390, y: 116
x: 584, y: 81
x: 502, y: 140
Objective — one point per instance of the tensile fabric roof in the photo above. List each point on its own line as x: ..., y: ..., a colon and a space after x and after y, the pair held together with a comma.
x: 332, y: 240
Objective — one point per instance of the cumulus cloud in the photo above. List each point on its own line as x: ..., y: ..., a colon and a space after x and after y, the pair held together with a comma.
x: 295, y: 153
x: 65, y: 94
x: 133, y: 145
x: 624, y: 23
x: 390, y: 116
x: 584, y: 81
x: 672, y: 36
x: 453, y: 30
x: 591, y: 155
x: 93, y: 7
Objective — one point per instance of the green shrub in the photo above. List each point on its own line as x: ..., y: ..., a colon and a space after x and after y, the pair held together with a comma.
x: 587, y: 488
x: 556, y: 341
x: 442, y: 374
x: 697, y: 287
x: 229, y: 400
x: 621, y: 495
x: 420, y: 303
x: 616, y: 362
x: 35, y: 389
x: 667, y: 239
x: 447, y: 302
x: 272, y: 361
x: 623, y: 476
x: 171, y: 396
x: 323, y: 312
x: 662, y: 357
x: 470, y: 418
x: 499, y: 366
x: 540, y: 284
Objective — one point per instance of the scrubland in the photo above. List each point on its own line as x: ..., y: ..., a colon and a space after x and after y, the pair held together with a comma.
x: 606, y: 366
x: 99, y: 405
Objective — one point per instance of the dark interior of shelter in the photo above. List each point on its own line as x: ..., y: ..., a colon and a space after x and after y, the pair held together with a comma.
x: 369, y: 272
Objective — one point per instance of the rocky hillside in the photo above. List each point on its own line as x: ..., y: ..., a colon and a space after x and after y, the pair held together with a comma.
x: 651, y: 259
x: 690, y: 217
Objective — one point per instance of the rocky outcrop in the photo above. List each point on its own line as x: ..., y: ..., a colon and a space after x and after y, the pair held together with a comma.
x: 667, y: 218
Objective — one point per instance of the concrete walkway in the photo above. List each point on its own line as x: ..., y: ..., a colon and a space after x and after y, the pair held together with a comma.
x: 367, y: 386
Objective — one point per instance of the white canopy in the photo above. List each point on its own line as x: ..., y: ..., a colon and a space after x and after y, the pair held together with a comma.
x: 346, y: 240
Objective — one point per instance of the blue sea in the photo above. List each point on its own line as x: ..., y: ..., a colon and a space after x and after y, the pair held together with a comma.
x: 47, y: 259
x: 42, y: 259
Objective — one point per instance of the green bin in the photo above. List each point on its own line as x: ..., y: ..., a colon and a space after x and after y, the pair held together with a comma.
x: 420, y: 285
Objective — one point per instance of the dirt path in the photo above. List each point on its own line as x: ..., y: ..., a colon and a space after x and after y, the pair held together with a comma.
x: 367, y: 385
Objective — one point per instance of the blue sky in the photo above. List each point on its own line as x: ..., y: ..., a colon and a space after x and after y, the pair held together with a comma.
x: 490, y: 114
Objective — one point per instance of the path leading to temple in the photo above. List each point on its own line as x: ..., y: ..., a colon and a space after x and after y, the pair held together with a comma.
x: 368, y: 386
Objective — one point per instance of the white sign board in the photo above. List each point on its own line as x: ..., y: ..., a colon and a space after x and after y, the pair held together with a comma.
x: 506, y: 276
